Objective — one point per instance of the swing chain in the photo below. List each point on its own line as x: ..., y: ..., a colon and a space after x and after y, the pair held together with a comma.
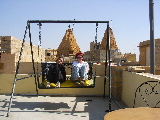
x: 40, y: 24
x: 96, y: 44
x: 39, y: 57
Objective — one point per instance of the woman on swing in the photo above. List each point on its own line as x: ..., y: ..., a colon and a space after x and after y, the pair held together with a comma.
x: 79, y: 70
x: 57, y: 73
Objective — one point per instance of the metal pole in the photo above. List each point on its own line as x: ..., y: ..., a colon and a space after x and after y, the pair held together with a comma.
x: 109, y: 71
x: 152, y: 42
x: 31, y: 45
x: 109, y: 68
x: 64, y: 21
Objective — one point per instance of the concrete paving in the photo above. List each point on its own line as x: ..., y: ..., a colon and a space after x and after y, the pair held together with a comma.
x: 55, y: 108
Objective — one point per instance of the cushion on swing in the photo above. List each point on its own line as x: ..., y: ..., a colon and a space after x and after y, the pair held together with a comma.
x: 51, y: 84
x: 86, y: 83
x: 67, y: 83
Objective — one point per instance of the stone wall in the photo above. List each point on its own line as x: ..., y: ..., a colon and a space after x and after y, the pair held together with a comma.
x: 116, y: 77
x: 12, y: 45
x: 10, y: 48
x: 143, y: 52
x: 142, y: 56
x: 8, y: 63
x: 130, y: 57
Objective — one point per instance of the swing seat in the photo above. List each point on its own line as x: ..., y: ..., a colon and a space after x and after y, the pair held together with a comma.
x: 66, y: 84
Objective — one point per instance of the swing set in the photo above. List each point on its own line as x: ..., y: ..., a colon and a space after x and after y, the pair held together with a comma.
x: 45, y: 65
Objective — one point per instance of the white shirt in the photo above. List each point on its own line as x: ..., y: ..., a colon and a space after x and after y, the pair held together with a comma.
x: 76, y: 63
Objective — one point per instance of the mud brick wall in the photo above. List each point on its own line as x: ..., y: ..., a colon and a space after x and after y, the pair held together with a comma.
x: 1, y: 66
x: 12, y: 45
x: 157, y: 52
x: 142, y: 56
x: 116, y: 78
x: 5, y: 44
x: 8, y: 62
x: 10, y: 48
x: 142, y: 48
x: 130, y: 57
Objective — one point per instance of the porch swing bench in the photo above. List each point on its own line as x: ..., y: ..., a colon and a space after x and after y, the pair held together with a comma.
x: 89, y: 83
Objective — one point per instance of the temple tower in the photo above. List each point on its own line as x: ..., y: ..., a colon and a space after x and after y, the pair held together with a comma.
x: 113, y: 45
x: 68, y: 46
x: 100, y: 53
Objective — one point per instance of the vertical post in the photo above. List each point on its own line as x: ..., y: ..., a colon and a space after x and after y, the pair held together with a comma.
x: 109, y: 68
x: 152, y: 42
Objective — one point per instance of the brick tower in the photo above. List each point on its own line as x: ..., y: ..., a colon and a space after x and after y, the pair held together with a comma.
x: 68, y: 46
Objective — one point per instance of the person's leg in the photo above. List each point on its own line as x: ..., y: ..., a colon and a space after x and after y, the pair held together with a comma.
x: 75, y: 73
x: 83, y: 73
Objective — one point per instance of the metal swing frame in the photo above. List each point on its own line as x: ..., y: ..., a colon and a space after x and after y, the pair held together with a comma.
x: 36, y: 76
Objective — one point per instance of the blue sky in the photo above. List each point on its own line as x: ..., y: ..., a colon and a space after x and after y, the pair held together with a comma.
x: 130, y: 21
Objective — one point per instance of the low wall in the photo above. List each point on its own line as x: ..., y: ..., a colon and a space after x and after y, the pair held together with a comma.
x: 116, y: 79
x: 27, y: 68
x: 27, y: 86
x: 8, y: 62
x: 131, y: 81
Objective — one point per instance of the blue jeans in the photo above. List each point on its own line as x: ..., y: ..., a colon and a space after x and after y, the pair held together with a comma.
x: 79, y: 72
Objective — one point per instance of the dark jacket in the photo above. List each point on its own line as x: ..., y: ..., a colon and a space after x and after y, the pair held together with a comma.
x: 56, y: 73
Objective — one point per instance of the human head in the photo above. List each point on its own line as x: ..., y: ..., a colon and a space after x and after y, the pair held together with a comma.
x: 79, y: 54
x: 59, y: 60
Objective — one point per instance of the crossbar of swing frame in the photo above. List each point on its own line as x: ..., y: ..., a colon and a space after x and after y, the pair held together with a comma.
x: 64, y: 21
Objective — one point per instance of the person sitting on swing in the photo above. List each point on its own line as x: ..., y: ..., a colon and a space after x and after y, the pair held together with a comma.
x: 79, y: 70
x: 57, y: 73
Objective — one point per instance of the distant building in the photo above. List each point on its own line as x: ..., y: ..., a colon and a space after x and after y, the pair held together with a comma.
x: 10, y: 48
x: 130, y: 57
x: 87, y: 56
x: 98, y: 51
x: 144, y: 57
x: 50, y: 55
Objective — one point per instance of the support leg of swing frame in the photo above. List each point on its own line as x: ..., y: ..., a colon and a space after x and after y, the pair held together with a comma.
x: 15, y: 78
x: 10, y: 103
x: 32, y: 57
